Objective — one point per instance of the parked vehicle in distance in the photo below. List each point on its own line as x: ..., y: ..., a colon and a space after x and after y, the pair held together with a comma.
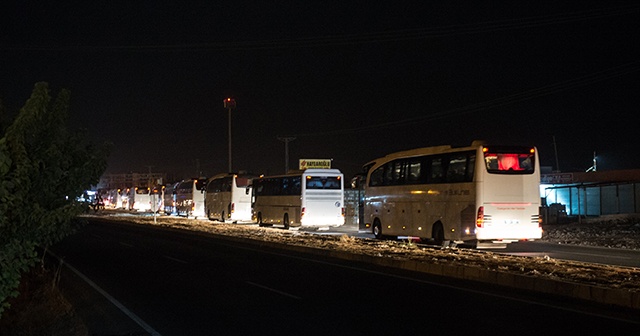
x: 190, y: 198
x: 228, y: 197
x: 169, y: 199
x: 113, y: 199
x: 309, y: 198
x: 140, y: 199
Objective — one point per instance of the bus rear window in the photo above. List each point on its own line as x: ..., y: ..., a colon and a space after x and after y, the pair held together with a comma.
x: 323, y: 182
x: 242, y: 182
x: 509, y: 162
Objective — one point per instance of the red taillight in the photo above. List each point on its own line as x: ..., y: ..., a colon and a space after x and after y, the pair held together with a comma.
x: 233, y: 207
x: 302, y: 212
x: 342, y: 212
x: 480, y: 218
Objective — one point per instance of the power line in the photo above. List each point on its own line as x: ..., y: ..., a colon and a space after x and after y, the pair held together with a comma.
x: 354, y: 39
x: 546, y: 90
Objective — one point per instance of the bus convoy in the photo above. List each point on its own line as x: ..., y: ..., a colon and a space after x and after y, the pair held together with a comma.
x: 482, y: 195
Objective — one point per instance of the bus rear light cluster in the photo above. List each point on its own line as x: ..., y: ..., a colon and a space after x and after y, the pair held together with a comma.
x: 302, y: 212
x: 480, y: 217
x: 233, y: 208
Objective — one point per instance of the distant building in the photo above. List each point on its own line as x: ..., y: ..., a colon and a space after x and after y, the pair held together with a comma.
x: 130, y: 180
x: 594, y: 193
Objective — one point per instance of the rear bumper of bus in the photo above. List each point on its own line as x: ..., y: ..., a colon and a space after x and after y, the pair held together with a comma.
x: 322, y: 222
x: 509, y: 233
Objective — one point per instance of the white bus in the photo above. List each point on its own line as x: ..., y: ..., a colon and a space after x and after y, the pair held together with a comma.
x: 228, y: 197
x: 170, y: 198
x: 190, y: 198
x: 482, y: 195
x: 113, y: 199
x: 140, y: 199
x: 311, y: 198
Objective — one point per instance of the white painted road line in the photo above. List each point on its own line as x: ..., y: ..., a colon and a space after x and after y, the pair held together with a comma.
x: 274, y: 290
x: 111, y: 299
x: 176, y: 259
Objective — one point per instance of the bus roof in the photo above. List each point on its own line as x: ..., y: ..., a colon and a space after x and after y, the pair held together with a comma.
x: 426, y: 150
x: 223, y: 175
x: 315, y: 171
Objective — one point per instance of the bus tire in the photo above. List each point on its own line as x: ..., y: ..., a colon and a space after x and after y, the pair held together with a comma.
x: 377, y: 229
x: 437, y: 233
x: 285, y: 221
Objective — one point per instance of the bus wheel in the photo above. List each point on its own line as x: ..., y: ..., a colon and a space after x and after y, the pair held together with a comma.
x: 285, y: 221
x: 377, y: 229
x: 222, y: 217
x: 437, y: 233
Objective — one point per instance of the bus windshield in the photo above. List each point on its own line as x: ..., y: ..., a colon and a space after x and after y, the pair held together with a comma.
x: 323, y: 182
x: 509, y: 160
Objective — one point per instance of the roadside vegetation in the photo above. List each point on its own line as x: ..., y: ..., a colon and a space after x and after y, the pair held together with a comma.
x: 44, y: 167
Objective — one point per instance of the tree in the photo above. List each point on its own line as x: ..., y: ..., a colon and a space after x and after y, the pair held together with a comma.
x: 43, y: 169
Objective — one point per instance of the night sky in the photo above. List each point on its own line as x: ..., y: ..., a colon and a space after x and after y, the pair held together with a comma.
x: 351, y: 80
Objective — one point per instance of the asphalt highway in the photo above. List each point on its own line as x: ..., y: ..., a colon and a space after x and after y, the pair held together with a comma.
x: 129, y: 279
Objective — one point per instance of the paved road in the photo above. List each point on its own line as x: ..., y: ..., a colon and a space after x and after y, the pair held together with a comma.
x: 600, y: 255
x: 590, y: 254
x: 146, y: 280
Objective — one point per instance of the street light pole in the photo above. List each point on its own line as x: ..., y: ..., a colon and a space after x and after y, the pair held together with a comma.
x: 286, y: 151
x: 229, y: 104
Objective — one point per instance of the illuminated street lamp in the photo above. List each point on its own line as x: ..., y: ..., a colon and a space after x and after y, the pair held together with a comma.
x: 229, y: 104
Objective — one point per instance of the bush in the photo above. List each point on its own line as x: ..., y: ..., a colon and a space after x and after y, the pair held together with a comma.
x: 43, y: 169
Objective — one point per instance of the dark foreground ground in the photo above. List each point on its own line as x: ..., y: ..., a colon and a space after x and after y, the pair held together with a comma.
x: 40, y: 309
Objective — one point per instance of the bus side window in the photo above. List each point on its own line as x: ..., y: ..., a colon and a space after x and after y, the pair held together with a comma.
x: 296, y: 187
x: 376, y: 177
x: 471, y: 164
x: 388, y: 174
x: 456, y: 169
x: 436, y: 175
x: 414, y: 172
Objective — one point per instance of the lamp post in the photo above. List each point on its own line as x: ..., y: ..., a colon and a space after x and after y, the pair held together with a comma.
x: 286, y: 151
x: 229, y: 104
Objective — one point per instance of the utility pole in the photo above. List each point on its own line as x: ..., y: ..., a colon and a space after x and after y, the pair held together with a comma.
x: 230, y: 104
x: 286, y: 151
x: 555, y: 149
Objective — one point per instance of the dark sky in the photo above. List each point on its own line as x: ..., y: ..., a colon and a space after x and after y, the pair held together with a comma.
x: 351, y: 80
